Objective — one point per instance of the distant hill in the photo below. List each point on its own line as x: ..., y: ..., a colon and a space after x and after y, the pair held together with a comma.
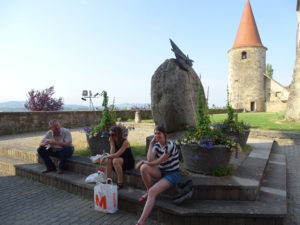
x: 18, y: 106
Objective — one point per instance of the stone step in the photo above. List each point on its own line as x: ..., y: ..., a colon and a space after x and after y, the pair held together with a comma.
x: 18, y: 152
x: 7, y: 165
x: 243, y: 185
x: 269, y: 209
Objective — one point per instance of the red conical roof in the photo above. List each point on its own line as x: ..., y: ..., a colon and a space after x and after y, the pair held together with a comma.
x: 247, y: 34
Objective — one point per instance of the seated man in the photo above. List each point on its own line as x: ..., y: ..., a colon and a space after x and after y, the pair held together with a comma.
x: 57, y: 143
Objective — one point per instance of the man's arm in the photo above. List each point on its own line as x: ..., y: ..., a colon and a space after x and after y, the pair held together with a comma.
x: 53, y: 142
x: 46, y: 139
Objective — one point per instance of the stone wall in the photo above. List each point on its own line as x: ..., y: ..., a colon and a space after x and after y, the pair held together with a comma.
x: 282, y: 137
x: 276, y: 96
x: 22, y: 122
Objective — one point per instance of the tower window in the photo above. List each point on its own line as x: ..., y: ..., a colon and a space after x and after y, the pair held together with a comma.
x: 244, y: 55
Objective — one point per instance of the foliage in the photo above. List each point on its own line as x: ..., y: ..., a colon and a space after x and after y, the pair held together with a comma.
x: 219, y: 171
x: 43, y: 100
x: 269, y: 70
x: 141, y: 107
x: 202, y: 116
x: 231, y: 125
x: 106, y: 121
x: 204, y: 134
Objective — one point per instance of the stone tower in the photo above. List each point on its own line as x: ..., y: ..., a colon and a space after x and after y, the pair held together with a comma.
x: 247, y: 63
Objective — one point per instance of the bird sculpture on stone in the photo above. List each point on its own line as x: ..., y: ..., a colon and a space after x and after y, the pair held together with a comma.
x: 183, y: 60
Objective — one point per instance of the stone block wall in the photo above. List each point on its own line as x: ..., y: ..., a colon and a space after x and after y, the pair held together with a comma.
x: 23, y: 122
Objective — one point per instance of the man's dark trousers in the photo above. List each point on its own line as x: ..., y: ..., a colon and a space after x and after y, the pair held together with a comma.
x: 63, y: 154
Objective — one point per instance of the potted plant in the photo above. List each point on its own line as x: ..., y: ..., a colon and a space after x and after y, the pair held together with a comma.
x: 204, y: 147
x: 234, y: 128
x: 97, y: 136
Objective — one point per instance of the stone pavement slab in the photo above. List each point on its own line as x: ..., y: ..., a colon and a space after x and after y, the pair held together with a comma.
x: 293, y: 184
x: 24, y: 202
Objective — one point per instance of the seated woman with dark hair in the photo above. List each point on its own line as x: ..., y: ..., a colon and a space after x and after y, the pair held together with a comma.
x: 120, y: 157
x: 162, y: 164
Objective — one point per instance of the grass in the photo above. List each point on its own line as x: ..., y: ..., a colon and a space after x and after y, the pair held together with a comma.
x: 143, y: 121
x: 83, y: 152
x: 138, y: 149
x: 263, y: 121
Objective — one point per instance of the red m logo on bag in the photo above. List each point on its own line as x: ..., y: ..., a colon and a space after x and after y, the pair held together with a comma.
x: 102, y: 202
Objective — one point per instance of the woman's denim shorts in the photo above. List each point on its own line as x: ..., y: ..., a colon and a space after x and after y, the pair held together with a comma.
x: 173, y: 177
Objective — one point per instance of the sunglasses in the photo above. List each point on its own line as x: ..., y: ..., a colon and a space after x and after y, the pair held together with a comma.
x: 112, y: 135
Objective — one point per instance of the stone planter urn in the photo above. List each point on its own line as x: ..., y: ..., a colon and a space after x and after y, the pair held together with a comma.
x: 241, y: 138
x: 98, y: 144
x: 198, y: 159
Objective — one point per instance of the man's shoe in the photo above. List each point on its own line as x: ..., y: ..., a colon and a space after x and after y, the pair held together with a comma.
x: 49, y: 170
x: 60, y: 171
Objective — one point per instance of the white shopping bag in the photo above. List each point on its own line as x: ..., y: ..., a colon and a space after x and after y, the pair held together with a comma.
x: 92, y: 178
x: 96, y: 158
x: 106, y: 197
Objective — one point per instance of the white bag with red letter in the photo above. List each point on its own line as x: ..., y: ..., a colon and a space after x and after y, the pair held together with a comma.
x: 106, y: 197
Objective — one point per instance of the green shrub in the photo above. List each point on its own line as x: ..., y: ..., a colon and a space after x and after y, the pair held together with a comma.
x: 219, y: 171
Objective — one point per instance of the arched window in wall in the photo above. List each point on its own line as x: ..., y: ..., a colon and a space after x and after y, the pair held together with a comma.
x: 244, y: 55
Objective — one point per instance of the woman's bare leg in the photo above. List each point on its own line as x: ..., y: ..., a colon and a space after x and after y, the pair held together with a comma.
x: 109, y: 168
x: 156, y: 189
x: 149, y: 172
x: 117, y: 164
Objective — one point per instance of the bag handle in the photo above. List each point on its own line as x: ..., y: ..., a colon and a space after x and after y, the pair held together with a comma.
x: 105, y: 155
x: 109, y: 181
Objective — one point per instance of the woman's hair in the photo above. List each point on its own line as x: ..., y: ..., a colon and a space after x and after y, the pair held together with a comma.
x: 162, y: 129
x: 119, y: 136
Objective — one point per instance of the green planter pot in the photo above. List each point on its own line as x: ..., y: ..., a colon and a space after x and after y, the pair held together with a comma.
x: 201, y: 160
x: 98, y: 144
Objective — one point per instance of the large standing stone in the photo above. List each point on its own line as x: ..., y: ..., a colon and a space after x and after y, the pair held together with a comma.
x: 174, y: 94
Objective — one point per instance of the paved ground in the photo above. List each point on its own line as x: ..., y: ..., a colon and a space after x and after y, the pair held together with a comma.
x: 23, y: 202
x: 30, y: 141
x: 293, y: 184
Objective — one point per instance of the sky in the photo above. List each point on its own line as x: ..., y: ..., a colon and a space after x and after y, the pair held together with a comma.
x: 116, y: 46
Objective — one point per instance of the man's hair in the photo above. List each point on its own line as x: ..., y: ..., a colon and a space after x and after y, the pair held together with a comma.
x: 52, y: 122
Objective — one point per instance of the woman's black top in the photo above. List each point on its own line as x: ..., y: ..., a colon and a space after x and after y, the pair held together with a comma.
x: 127, y: 157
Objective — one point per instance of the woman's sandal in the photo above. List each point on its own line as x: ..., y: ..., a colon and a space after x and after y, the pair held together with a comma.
x: 143, y: 197
x: 120, y: 185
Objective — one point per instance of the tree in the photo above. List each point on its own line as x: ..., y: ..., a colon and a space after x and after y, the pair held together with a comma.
x: 43, y: 101
x: 293, y: 105
x: 269, y: 70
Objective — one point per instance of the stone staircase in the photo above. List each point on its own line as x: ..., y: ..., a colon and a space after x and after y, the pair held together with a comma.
x: 254, y: 194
